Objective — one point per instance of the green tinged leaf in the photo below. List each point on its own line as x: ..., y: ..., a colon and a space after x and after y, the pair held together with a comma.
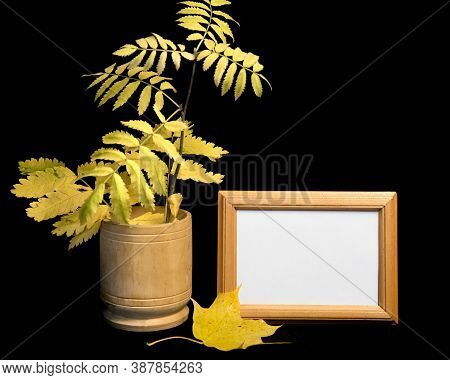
x: 120, y: 200
x: 156, y: 170
x: 94, y: 170
x: 85, y: 235
x: 60, y: 202
x: 40, y: 183
x: 90, y: 206
x: 145, y: 194
x: 33, y: 165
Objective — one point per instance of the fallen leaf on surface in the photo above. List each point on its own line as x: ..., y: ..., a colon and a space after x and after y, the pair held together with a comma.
x: 221, y: 326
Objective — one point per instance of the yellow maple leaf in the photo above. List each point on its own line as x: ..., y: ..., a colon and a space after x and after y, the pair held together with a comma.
x: 221, y: 326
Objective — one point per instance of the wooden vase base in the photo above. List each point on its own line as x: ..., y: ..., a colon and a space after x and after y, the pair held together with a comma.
x: 136, y: 319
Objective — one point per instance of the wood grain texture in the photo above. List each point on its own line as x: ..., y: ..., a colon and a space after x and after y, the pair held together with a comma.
x: 146, y: 274
x: 383, y: 202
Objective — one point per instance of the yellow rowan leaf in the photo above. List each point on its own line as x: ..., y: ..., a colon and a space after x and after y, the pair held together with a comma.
x: 257, y: 67
x: 257, y: 85
x: 121, y: 138
x: 125, y: 50
x: 193, y: 19
x: 174, y: 203
x: 224, y: 26
x: 176, y: 59
x: 197, y: 146
x: 40, y: 183
x: 156, y: 170
x: 238, y: 55
x: 195, y: 4
x: 176, y: 126
x: 120, y: 200
x: 225, y: 16
x: 218, y: 30
x: 250, y: 60
x: 142, y: 42
x: 240, y: 84
x: 167, y: 147
x: 62, y: 201
x: 221, y: 326
x: 150, y: 60
x: 70, y: 225
x: 167, y: 86
x: 85, y: 235
x: 220, y: 70
x: 193, y: 26
x: 33, y: 165
x: 196, y: 172
x: 161, y: 62
x: 162, y: 41
x: 203, y: 54
x: 99, y: 79
x: 114, y: 91
x: 229, y: 78
x: 126, y: 94
x: 108, y: 154
x: 194, y: 37
x: 106, y: 84
x: 159, y: 100
x: 94, y: 170
x: 149, y: 218
x: 193, y: 11
x: 136, y: 61
x: 90, y: 206
x: 210, y: 59
x: 142, y: 188
x: 138, y: 125
x: 219, y: 3
x: 144, y: 100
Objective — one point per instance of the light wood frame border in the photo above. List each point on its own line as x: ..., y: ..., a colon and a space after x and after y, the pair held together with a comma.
x: 384, y: 202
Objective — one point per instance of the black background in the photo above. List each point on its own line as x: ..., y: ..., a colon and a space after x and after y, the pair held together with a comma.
x: 384, y: 131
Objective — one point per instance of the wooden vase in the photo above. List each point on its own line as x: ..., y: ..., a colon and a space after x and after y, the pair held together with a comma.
x: 146, y: 274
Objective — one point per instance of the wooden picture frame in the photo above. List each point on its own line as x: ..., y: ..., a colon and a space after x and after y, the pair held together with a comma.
x: 385, y: 203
